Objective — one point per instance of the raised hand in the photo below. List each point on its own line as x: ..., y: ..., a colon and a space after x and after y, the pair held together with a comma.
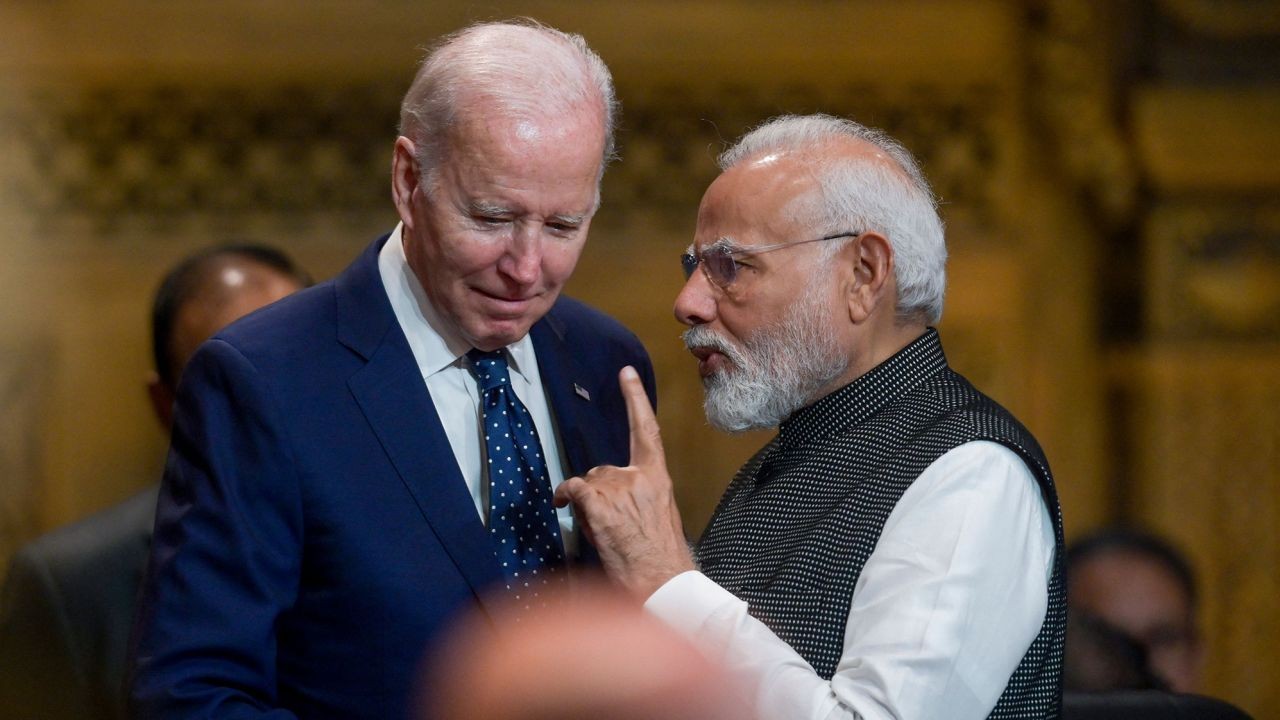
x: 629, y: 513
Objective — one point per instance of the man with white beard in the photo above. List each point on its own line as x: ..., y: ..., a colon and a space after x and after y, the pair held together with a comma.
x: 896, y: 550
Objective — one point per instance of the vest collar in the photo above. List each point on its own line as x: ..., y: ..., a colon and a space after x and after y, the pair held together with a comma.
x: 861, y: 399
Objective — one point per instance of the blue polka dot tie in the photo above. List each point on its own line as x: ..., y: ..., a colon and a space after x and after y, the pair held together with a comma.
x: 522, y: 517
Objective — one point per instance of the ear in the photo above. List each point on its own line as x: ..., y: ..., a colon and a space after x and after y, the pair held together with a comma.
x: 404, y: 178
x: 162, y: 398
x: 869, y: 281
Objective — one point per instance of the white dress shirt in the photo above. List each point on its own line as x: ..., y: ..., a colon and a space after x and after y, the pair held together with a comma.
x: 441, y: 357
x: 944, y: 610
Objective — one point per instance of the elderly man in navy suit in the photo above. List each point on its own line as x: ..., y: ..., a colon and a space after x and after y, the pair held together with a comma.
x: 356, y: 465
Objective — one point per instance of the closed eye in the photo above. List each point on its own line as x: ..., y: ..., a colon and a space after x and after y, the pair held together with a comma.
x: 564, y: 224
x: 488, y: 214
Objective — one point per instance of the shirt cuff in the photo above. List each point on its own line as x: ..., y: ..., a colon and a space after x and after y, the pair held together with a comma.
x: 688, y: 602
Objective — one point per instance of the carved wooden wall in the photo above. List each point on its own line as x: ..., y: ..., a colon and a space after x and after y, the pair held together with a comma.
x: 1201, y: 447
x: 1113, y: 276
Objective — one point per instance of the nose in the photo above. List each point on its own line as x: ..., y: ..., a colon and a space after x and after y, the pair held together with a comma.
x: 696, y: 303
x: 522, y: 262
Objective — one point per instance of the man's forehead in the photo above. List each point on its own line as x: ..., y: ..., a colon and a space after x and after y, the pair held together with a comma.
x: 526, y: 119
x: 763, y: 182
x: 746, y: 208
x: 512, y: 166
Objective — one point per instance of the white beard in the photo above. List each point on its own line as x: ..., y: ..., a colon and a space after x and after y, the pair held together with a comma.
x: 778, y: 370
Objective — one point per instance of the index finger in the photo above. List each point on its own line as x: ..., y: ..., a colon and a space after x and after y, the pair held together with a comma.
x: 646, y: 436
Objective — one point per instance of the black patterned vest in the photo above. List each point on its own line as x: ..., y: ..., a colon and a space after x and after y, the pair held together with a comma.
x: 800, y: 519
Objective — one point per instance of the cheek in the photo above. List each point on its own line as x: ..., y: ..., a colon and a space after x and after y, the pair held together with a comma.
x: 558, y: 263
x: 464, y: 257
x: 745, y: 310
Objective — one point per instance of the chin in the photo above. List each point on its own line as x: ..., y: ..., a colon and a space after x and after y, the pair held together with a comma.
x: 499, y: 335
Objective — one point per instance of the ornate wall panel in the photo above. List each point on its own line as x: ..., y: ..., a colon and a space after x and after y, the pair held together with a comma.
x: 1219, y: 140
x: 111, y: 153
x: 1204, y: 381
x: 1207, y: 435
x: 1072, y: 95
x: 115, y: 155
x: 1214, y: 270
x: 1206, y: 422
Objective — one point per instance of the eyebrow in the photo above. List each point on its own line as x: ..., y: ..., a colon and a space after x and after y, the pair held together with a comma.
x: 484, y: 207
x: 574, y: 220
x: 727, y: 243
x: 724, y: 242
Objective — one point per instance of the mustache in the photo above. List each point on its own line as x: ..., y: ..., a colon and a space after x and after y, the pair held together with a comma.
x: 703, y: 336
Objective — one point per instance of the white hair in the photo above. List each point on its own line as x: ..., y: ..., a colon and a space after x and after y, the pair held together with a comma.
x: 859, y: 195
x: 526, y: 69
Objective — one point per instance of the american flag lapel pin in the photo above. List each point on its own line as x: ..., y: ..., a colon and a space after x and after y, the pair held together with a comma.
x: 582, y: 392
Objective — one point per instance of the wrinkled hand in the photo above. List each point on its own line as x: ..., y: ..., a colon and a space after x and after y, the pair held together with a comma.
x: 629, y: 513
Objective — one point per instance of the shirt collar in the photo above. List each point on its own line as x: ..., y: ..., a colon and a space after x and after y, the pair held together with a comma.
x: 436, y: 344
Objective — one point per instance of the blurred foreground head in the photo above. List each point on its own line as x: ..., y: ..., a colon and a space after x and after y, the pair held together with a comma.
x: 592, y: 656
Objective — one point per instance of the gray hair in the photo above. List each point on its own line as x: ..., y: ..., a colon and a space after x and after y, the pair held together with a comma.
x: 858, y: 196
x: 527, y: 69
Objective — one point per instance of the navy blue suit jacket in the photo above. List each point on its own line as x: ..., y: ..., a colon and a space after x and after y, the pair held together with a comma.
x: 314, y: 534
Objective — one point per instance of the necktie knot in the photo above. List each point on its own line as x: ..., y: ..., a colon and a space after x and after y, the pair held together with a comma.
x: 489, y: 369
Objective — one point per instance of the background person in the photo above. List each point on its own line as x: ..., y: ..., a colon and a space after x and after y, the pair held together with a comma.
x: 1142, y: 591
x: 70, y: 595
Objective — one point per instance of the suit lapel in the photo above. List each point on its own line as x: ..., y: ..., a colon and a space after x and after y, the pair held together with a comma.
x: 395, y: 401
x: 573, y: 398
x: 572, y: 395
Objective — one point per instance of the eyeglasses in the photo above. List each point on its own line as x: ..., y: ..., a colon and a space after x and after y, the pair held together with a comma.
x: 719, y: 262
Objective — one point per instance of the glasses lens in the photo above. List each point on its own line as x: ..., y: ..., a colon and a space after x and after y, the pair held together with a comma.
x: 689, y: 262
x: 719, y: 265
